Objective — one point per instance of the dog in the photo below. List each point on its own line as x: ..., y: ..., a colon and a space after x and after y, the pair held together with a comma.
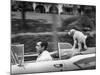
x: 78, y: 38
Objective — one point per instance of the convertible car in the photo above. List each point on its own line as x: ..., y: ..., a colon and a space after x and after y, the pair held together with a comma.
x: 79, y: 62
x: 83, y: 61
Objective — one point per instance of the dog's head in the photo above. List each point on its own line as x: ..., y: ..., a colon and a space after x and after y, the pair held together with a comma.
x: 71, y: 32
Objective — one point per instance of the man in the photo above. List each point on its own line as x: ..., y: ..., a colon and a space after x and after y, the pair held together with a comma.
x: 78, y: 38
x: 44, y: 55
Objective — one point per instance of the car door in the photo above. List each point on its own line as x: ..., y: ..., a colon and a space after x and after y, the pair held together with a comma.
x: 36, y: 67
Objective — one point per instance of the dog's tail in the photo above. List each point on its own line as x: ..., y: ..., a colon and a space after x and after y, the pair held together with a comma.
x: 86, y: 36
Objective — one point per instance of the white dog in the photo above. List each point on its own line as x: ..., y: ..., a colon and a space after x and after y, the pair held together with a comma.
x: 78, y: 38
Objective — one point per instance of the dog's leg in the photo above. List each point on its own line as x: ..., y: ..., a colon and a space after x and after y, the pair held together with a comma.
x: 85, y: 47
x: 75, y: 42
x: 79, y: 46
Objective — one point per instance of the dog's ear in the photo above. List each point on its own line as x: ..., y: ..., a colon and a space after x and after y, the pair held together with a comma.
x: 72, y: 32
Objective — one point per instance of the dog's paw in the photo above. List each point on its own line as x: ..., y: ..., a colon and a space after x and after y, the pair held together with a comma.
x: 84, y: 49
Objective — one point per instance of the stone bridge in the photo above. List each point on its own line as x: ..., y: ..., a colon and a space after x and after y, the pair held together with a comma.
x: 40, y: 7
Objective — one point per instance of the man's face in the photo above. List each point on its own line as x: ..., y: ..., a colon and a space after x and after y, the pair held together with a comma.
x: 38, y: 47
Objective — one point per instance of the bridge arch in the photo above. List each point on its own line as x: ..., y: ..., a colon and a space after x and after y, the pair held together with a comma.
x: 40, y: 9
x: 53, y: 9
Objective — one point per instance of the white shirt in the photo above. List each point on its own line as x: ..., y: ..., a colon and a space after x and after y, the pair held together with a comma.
x: 44, y: 56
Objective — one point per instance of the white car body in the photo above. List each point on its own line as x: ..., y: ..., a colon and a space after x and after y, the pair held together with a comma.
x: 56, y: 65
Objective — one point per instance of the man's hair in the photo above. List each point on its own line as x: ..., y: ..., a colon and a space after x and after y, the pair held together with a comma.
x: 44, y: 44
